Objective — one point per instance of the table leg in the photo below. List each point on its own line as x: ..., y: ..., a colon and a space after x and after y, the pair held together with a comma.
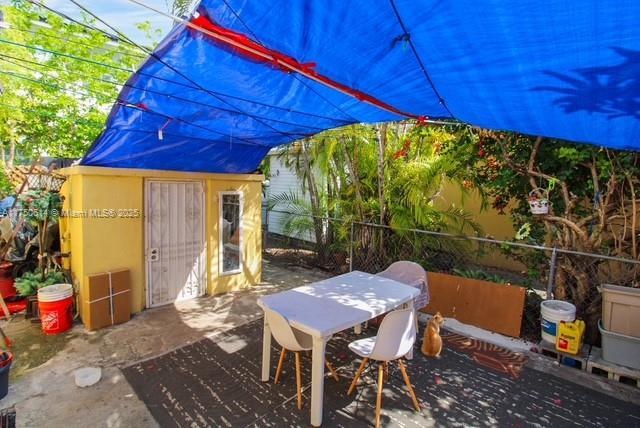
x: 266, y: 351
x: 317, y: 380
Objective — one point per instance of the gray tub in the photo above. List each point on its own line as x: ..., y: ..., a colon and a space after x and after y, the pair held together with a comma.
x: 619, y: 348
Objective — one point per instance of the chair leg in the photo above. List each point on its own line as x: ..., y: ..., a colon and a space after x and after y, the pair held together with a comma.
x: 379, y: 400
x: 409, y: 387
x: 357, y: 376
x: 280, y: 362
x: 333, y: 371
x: 298, y: 380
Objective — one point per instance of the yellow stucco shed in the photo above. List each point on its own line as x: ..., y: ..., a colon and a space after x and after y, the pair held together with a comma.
x: 181, y: 235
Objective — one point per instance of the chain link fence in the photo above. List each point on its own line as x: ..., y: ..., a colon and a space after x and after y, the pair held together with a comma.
x: 338, y: 246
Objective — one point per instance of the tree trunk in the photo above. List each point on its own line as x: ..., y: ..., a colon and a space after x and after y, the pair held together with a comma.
x: 355, y: 180
x: 577, y: 281
x: 12, y: 153
x: 315, y: 203
x: 381, y: 134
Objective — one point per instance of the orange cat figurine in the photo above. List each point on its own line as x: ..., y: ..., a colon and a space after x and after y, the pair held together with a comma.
x: 432, y: 342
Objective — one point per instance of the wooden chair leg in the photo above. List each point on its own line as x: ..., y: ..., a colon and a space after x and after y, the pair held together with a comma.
x: 298, y: 380
x: 357, y: 376
x: 379, y: 400
x: 280, y: 362
x: 409, y: 387
x: 333, y: 371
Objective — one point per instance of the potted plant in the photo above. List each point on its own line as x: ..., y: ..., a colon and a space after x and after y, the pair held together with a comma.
x: 6, y: 358
x: 539, y: 201
x: 539, y: 198
x: 30, y: 282
x: 40, y: 208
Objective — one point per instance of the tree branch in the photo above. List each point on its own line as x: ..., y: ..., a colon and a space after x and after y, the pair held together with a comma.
x: 573, y: 226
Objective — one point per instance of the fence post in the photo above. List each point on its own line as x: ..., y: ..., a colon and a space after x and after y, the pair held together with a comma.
x: 552, y: 273
x: 351, y: 249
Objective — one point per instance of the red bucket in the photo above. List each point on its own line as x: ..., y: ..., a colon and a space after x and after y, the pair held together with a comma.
x: 7, y: 288
x: 56, y: 317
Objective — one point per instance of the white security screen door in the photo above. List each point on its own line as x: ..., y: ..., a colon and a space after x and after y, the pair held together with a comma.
x: 175, y: 243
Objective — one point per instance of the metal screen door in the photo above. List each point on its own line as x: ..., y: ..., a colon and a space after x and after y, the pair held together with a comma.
x: 175, y: 243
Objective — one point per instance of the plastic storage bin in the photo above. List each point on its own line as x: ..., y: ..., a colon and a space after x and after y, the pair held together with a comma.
x: 621, y: 310
x: 620, y: 349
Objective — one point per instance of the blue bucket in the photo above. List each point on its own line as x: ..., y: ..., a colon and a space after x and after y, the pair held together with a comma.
x: 6, y: 359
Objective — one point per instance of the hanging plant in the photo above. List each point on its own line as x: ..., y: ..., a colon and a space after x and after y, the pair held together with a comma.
x: 539, y: 201
x: 539, y: 198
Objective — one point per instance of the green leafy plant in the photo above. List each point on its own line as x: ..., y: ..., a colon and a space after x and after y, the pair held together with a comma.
x: 592, y: 208
x: 54, y: 102
x: 41, y: 208
x: 30, y: 282
x: 6, y: 188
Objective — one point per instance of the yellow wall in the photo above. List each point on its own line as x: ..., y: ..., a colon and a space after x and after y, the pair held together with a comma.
x: 251, y: 235
x: 101, y: 244
x: 493, y: 225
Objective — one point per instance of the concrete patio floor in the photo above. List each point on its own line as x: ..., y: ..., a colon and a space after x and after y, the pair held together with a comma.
x: 43, y: 389
x: 46, y: 395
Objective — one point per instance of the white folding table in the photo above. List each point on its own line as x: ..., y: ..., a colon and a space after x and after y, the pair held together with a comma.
x: 327, y: 307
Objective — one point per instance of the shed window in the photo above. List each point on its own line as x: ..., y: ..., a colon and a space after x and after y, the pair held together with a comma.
x: 230, y: 232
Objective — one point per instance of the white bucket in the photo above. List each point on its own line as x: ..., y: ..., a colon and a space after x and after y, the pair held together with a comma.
x: 55, y: 292
x: 551, y: 313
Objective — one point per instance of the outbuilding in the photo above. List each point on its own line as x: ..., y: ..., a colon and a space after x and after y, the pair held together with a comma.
x: 181, y: 235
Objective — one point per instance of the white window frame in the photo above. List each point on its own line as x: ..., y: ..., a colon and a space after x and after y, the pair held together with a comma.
x: 220, y: 235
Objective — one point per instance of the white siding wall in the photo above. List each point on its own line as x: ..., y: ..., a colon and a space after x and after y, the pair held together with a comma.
x: 283, y: 180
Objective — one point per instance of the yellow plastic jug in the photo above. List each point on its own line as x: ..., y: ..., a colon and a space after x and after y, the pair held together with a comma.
x: 569, y: 338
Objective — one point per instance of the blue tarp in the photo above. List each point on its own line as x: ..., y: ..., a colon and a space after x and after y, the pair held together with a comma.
x: 562, y: 69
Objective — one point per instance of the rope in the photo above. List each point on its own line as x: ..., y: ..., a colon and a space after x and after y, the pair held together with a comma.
x: 407, y: 37
x: 274, y: 59
x: 255, y: 37
x: 75, y: 42
x: 286, y: 134
x: 89, y: 27
x: 123, y: 103
x: 113, y: 67
x: 50, y: 115
x: 125, y: 40
x: 110, y: 82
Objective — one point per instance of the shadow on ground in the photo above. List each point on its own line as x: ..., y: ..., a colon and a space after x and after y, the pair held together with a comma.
x: 217, y: 383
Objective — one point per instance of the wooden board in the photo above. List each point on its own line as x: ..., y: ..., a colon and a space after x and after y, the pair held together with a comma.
x: 494, y: 307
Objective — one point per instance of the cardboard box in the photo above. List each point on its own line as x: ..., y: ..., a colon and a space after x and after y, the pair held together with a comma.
x: 108, y: 300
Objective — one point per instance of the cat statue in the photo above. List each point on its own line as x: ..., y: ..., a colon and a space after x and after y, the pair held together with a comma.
x: 432, y: 342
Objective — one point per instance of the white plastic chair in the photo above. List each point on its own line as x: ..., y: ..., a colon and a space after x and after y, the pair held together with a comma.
x: 293, y: 340
x: 396, y: 337
x: 412, y: 274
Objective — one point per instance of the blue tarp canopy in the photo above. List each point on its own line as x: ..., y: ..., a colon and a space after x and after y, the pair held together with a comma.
x: 562, y: 69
